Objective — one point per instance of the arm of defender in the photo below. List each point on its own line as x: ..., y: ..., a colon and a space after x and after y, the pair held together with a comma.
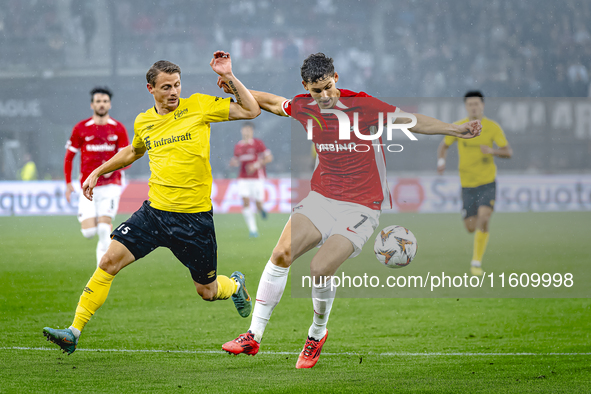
x: 428, y: 125
x: 267, y: 101
x: 270, y: 102
x: 123, y: 158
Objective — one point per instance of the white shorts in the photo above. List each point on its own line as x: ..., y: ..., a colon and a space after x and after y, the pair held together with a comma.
x: 105, y: 202
x: 353, y: 221
x: 252, y: 188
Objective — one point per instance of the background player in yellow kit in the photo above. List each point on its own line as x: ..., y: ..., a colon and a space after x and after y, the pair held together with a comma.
x: 178, y: 215
x: 477, y: 172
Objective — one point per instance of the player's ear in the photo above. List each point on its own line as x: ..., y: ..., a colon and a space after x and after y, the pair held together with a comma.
x: 150, y: 88
x: 305, y: 85
x: 336, y: 77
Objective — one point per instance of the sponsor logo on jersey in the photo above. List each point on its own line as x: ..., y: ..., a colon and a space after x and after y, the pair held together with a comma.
x: 89, y: 138
x: 148, y: 128
x: 180, y: 112
x: 101, y: 148
x: 165, y: 141
x: 336, y: 147
x: 113, y: 137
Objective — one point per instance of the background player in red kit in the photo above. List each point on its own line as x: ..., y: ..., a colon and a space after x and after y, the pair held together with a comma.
x: 349, y: 190
x: 252, y: 156
x: 97, y: 139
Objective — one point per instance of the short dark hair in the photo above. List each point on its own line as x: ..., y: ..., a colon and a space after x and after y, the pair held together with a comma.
x: 474, y: 93
x: 316, y: 67
x: 248, y: 124
x: 161, y: 66
x: 100, y: 90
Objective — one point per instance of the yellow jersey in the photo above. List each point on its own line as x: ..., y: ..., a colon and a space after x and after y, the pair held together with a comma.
x: 178, y: 147
x: 475, y: 167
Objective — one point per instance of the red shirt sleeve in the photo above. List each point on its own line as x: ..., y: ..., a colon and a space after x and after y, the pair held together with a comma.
x: 75, y: 142
x: 123, y: 139
x: 286, y: 106
x: 72, y: 146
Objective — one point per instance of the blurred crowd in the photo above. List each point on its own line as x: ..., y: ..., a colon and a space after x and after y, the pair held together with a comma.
x: 408, y: 48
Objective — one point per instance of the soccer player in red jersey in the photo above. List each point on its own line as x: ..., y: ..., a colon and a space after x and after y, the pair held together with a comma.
x: 348, y: 192
x: 252, y: 156
x: 97, y: 139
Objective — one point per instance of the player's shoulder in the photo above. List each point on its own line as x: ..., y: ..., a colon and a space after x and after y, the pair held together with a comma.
x: 351, y: 93
x: 303, y: 95
x: 144, y: 117
x: 462, y: 121
x: 201, y: 97
x: 490, y: 123
x: 115, y: 123
x: 84, y: 123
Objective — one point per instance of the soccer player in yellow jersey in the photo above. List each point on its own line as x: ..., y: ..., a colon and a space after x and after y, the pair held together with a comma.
x: 477, y: 172
x: 178, y: 214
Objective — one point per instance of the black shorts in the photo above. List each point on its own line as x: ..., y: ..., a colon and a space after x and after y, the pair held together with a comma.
x: 190, y: 237
x: 474, y: 197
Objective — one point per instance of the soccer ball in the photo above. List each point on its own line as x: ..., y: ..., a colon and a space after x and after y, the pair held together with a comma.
x: 395, y: 247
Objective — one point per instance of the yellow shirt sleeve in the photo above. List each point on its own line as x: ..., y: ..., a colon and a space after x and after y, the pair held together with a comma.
x: 214, y: 109
x: 137, y: 142
x: 450, y: 140
x: 499, y: 137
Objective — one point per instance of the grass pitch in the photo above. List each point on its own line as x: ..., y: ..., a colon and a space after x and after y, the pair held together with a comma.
x: 154, y: 334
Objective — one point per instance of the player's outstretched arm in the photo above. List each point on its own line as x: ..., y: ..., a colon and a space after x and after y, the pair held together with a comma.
x: 245, y: 107
x: 267, y: 101
x: 428, y: 125
x: 123, y: 158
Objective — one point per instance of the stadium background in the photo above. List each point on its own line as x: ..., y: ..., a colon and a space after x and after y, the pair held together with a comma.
x: 407, y: 49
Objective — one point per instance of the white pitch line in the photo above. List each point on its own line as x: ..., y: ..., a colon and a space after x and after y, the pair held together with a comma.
x: 386, y: 354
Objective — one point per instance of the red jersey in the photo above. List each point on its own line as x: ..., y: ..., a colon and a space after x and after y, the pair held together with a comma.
x: 248, y: 154
x: 96, y: 144
x: 352, y: 170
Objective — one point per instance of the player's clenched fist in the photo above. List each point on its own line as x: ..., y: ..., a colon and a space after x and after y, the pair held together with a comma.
x: 470, y: 129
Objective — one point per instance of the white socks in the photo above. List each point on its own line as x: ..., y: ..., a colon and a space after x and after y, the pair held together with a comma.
x: 249, y: 217
x: 322, y: 299
x: 104, y: 232
x: 88, y: 232
x: 271, y: 287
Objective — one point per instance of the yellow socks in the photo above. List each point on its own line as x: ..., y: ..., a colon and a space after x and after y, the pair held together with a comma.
x: 226, y: 287
x: 480, y: 241
x: 94, y: 295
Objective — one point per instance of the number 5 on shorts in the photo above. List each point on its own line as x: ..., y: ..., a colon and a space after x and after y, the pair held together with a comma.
x: 125, y: 230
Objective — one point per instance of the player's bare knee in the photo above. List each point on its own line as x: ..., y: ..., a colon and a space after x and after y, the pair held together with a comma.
x: 281, y: 256
x: 206, y: 293
x: 470, y: 226
x: 108, y: 264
